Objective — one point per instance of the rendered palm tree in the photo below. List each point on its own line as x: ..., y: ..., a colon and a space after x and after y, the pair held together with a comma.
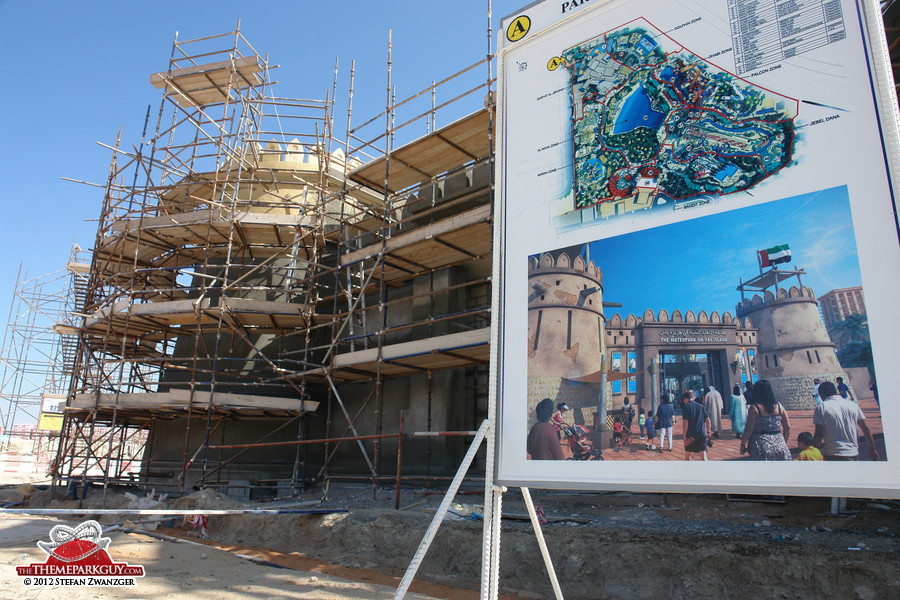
x: 855, y: 328
x: 852, y: 338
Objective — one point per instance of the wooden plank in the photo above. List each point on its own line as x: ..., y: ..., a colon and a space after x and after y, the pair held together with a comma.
x: 241, y: 64
x: 63, y: 329
x: 78, y: 267
x: 179, y: 220
x: 209, y: 82
x: 180, y: 246
x: 412, y: 260
x: 269, y: 307
x: 405, y: 349
x: 155, y: 320
x: 420, y: 234
x: 121, y: 308
x: 431, y: 154
x: 274, y: 219
x: 179, y: 399
x: 242, y: 400
x: 170, y: 307
x: 167, y: 220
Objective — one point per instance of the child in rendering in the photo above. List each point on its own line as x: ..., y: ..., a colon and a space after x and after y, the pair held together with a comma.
x: 650, y: 425
x: 642, y: 420
x: 617, y: 433
x: 807, y: 450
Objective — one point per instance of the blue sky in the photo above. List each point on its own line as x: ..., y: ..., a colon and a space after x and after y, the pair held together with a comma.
x: 697, y: 264
x: 75, y: 72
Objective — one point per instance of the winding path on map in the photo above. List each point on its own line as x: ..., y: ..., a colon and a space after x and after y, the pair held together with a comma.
x: 650, y: 116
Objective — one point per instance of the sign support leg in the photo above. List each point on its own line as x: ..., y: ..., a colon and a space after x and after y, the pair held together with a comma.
x: 417, y: 559
x: 539, y: 534
x: 490, y: 543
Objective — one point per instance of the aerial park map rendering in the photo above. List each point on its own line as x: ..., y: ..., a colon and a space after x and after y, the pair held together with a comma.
x: 653, y: 122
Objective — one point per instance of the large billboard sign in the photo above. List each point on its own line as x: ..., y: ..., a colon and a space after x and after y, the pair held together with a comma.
x: 699, y: 253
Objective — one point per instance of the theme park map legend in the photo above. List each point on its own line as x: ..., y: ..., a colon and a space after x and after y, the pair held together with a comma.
x: 764, y: 32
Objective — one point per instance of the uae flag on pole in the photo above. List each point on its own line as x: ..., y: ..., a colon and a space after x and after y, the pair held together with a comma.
x: 774, y: 255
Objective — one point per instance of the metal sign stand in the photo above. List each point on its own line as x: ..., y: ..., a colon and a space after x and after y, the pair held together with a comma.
x: 493, y: 494
x: 493, y: 502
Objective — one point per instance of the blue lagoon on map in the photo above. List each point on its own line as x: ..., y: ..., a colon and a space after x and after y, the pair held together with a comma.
x: 637, y: 112
x: 653, y: 122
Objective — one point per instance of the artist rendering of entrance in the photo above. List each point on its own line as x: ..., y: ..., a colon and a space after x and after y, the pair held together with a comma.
x: 682, y: 371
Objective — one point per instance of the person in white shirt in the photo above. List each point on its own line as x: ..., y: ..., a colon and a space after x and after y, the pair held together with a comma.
x: 836, y: 421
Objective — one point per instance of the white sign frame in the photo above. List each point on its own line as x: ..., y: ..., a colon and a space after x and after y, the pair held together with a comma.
x: 521, y: 234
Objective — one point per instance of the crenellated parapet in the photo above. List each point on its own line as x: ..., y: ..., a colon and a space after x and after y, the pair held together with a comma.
x: 565, y: 315
x: 558, y: 281
x: 701, y: 318
x: 696, y: 327
x: 768, y: 298
x: 293, y: 156
x: 562, y: 263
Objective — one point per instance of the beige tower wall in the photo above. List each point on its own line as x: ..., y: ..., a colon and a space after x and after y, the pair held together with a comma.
x: 565, y: 331
x: 794, y: 347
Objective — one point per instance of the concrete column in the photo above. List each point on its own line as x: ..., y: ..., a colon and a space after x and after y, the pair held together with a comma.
x: 601, y: 406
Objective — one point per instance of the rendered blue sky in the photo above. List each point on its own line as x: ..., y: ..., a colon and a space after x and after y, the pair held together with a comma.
x: 76, y: 72
x: 697, y: 264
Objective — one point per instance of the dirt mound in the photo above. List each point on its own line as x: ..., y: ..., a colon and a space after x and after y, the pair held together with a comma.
x: 604, y: 545
x: 615, y: 546
x: 206, y: 499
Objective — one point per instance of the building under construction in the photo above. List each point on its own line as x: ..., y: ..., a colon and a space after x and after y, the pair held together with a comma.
x: 260, y: 290
x: 269, y: 304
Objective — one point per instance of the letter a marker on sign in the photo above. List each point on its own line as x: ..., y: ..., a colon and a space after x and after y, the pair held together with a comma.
x: 518, y: 28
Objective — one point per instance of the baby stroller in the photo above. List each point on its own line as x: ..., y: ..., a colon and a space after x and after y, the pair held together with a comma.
x: 581, y: 448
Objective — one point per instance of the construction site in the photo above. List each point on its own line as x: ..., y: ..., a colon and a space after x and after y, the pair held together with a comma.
x: 256, y: 282
x: 287, y: 302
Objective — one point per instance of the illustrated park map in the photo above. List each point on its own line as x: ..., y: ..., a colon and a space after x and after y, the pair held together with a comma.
x: 653, y: 122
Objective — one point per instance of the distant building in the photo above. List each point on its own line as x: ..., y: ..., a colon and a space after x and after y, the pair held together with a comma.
x: 839, y: 304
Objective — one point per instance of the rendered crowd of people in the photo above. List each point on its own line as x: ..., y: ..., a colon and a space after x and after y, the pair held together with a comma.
x: 757, y: 418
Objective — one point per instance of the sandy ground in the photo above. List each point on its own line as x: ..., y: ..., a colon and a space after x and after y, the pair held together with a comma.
x: 173, y: 570
x: 604, y: 545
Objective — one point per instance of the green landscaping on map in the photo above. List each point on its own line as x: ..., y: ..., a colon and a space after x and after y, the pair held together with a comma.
x: 654, y: 121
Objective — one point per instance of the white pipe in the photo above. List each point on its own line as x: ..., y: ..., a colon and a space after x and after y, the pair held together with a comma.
x: 441, y: 511
x: 548, y: 562
x: 164, y: 511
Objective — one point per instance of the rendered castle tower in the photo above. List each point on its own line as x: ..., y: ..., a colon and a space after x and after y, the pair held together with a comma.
x: 794, y: 347
x: 566, y: 327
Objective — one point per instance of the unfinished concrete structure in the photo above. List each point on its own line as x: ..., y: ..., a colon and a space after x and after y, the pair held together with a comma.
x: 252, y: 288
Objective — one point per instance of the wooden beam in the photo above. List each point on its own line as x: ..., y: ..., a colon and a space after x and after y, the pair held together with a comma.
x: 181, y: 399
x: 420, y: 234
x: 444, y: 343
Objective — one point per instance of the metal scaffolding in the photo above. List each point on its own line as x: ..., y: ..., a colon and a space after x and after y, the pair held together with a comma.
x: 38, y: 350
x: 249, y: 266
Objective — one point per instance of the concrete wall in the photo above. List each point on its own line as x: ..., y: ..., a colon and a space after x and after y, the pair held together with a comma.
x: 166, y: 449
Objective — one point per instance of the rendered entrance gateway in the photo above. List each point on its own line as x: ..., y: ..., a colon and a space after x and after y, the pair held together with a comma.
x: 776, y: 334
x: 252, y: 284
